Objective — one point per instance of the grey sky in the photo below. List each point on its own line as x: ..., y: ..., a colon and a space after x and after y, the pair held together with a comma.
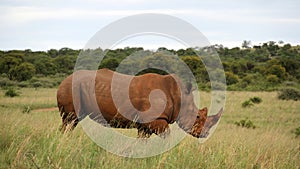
x: 42, y: 25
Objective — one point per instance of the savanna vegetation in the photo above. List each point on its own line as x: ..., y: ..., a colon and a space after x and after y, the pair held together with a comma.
x: 30, y: 137
x: 265, y: 67
x: 259, y: 129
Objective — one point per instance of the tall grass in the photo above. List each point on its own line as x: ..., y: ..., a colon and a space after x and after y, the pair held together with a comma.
x: 33, y: 141
x: 35, y: 98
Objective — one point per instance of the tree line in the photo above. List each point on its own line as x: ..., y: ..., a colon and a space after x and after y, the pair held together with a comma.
x: 262, y: 67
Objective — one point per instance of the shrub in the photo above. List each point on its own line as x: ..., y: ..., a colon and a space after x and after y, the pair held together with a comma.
x: 247, y: 103
x: 231, y: 78
x: 297, y: 131
x: 46, y: 82
x: 273, y: 79
x: 11, y: 92
x: 248, y: 79
x: 37, y: 84
x: 256, y: 100
x: 290, y: 83
x: 289, y: 93
x: 22, y: 72
x: 26, y: 109
x: 277, y: 70
x: 251, y: 101
x: 245, y: 123
x: 5, y: 82
x: 23, y: 84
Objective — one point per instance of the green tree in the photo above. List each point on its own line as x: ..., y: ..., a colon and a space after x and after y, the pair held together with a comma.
x: 291, y: 65
x: 197, y: 67
x: 277, y: 70
x: 52, y: 53
x: 231, y: 78
x: 45, y: 66
x: 246, y: 44
x: 180, y: 52
x: 22, y: 72
x: 272, y: 47
x: 65, y: 64
x: 273, y: 79
x: 259, y: 54
x: 68, y: 51
x: 190, y: 52
x: 9, y: 61
x: 110, y: 63
x: 193, y: 62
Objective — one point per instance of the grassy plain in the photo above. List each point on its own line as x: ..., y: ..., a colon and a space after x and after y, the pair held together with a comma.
x: 32, y: 140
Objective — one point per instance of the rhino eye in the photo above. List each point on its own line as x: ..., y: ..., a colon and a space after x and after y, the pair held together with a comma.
x: 198, y: 116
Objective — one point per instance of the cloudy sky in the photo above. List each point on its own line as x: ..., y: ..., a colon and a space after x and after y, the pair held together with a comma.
x: 42, y: 25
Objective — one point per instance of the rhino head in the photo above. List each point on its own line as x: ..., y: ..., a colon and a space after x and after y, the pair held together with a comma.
x: 191, y: 119
x: 199, y: 123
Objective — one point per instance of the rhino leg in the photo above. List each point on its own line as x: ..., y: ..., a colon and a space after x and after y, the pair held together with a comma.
x: 159, y: 126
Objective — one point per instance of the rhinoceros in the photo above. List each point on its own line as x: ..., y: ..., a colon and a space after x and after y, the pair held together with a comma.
x: 149, y: 103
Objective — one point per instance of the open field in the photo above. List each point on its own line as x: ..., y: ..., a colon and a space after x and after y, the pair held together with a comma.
x: 32, y: 140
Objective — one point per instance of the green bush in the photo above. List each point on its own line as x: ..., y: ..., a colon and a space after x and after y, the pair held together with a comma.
x: 37, y: 84
x: 11, y: 92
x: 277, y: 70
x: 248, y: 79
x: 247, y: 103
x: 26, y: 109
x: 251, y: 101
x: 256, y: 100
x: 289, y: 83
x: 231, y: 78
x: 5, y: 82
x: 273, y: 79
x: 22, y: 72
x: 289, y: 93
x: 297, y: 131
x: 23, y: 84
x: 245, y: 123
x: 45, y: 82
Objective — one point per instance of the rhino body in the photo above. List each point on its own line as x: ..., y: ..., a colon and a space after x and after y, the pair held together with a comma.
x: 150, y: 103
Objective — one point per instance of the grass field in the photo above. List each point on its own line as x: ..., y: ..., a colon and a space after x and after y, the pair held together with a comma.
x: 32, y: 140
